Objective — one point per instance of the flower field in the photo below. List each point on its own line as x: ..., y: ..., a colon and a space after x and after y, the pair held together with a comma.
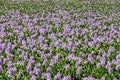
x: 60, y: 40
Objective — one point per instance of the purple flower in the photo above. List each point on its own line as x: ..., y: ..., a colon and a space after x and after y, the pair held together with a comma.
x: 72, y: 32
x: 52, y: 62
x: 118, y: 39
x: 0, y: 62
x: 26, y: 16
x: 77, y: 64
x: 33, y: 77
x: 1, y: 51
x: 115, y: 78
x: 88, y: 78
x: 20, y: 63
x: 31, y: 60
x: 49, y: 76
x: 104, y: 27
x: 9, y: 65
x: 90, y: 57
x: 43, y: 56
x: 79, y: 69
x: 94, y: 25
x: 70, y: 57
x: 48, y: 55
x: 98, y: 65
x: 12, y: 70
x: 67, y: 66
x: 37, y: 71
x: 85, y: 78
x: 31, y: 73
x: 118, y: 57
x: 38, y: 64
x: 3, y: 34
x: 114, y: 61
x: 67, y: 28
x: 58, y: 76
x: 109, y: 64
x: 9, y: 55
x: 118, y: 66
x: 29, y: 68
x: 43, y: 75
x: 35, y: 20
x: 1, y: 69
x: 83, y: 32
x: 42, y: 31
x: 66, y: 78
x: 45, y: 61
x: 52, y: 36
x: 103, y: 60
x: 49, y: 69
x: 111, y: 49
x: 119, y: 33
x: 90, y: 43
x: 56, y: 57
x: 103, y: 78
x: 110, y: 70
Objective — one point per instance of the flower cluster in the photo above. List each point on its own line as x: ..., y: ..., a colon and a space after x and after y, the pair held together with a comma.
x: 60, y: 45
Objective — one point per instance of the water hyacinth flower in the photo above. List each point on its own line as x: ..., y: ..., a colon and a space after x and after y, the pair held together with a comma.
x: 1, y: 69
x: 49, y: 69
x: 91, y: 43
x: 111, y: 49
x: 66, y: 78
x: 103, y: 78
x: 52, y: 63
x: 103, y: 60
x: 48, y: 55
x: 12, y: 70
x: 45, y: 61
x: 9, y: 64
x: 28, y: 68
x: 43, y: 31
x: 115, y: 78
x: 94, y: 25
x: 9, y: 55
x: 31, y: 73
x: 33, y: 77
x: 1, y: 62
x: 44, y: 75
x: 72, y: 57
x: 77, y: 64
x: 85, y: 78
x: 58, y: 76
x: 67, y: 66
x: 35, y: 20
x: 117, y: 66
x: 98, y: 65
x: 43, y: 56
x: 38, y: 64
x: 90, y: 57
x: 31, y: 61
x: 79, y: 70
x: 52, y: 36
x: 88, y: 78
x: 110, y: 70
x: 37, y: 71
x: 49, y: 77
x: 109, y: 64
x: 21, y: 63
x: 118, y: 39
